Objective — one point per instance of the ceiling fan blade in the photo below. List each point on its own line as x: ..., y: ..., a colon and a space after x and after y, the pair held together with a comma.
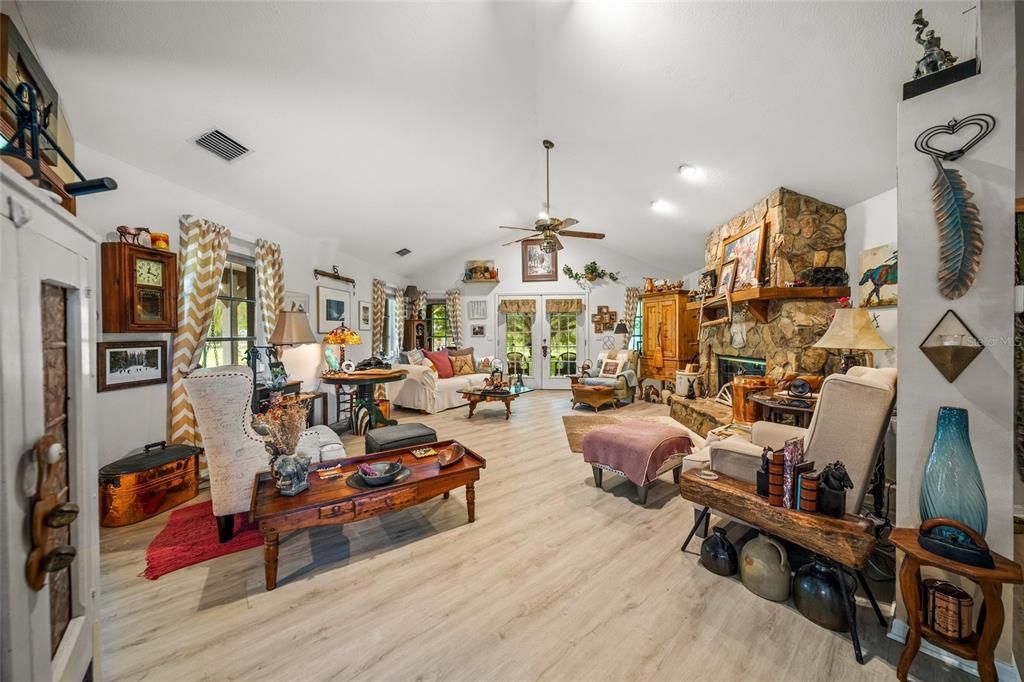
x: 584, y: 235
x: 568, y: 222
x: 507, y: 227
x: 558, y: 242
x: 516, y: 241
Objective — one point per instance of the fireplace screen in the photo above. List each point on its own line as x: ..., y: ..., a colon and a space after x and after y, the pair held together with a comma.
x: 730, y: 366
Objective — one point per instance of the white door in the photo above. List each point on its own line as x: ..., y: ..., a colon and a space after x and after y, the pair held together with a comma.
x: 547, y: 347
x: 46, y: 255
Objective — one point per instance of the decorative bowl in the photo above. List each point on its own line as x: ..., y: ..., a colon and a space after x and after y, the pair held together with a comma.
x: 380, y: 473
x: 450, y: 455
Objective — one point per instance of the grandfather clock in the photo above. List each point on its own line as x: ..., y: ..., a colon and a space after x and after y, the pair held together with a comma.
x: 140, y: 288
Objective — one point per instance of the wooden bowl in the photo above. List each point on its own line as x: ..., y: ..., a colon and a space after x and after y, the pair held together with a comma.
x: 450, y: 455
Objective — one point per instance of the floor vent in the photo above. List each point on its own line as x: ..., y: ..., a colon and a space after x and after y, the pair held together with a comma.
x: 403, y: 252
x: 221, y: 144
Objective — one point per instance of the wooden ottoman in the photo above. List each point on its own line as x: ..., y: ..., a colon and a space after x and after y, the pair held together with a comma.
x: 637, y: 450
x: 594, y: 396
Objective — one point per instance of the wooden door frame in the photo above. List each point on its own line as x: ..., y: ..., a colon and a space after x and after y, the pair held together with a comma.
x: 48, y: 245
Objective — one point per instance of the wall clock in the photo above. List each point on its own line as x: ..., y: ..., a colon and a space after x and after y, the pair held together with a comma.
x: 140, y: 288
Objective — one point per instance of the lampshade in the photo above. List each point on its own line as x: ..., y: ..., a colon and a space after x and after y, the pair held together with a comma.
x: 852, y: 329
x: 620, y: 328
x: 292, y: 329
x: 411, y: 292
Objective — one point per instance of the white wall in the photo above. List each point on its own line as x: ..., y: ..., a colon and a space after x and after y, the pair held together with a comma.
x: 130, y: 418
x: 986, y: 386
x: 872, y: 223
x: 448, y: 275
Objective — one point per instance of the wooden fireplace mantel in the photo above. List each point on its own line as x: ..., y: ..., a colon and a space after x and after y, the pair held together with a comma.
x: 758, y: 298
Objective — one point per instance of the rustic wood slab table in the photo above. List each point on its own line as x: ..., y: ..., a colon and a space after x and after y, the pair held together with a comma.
x: 847, y: 541
x: 334, y: 501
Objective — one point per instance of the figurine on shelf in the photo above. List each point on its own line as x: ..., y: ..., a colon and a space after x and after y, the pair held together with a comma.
x: 935, y: 58
x: 833, y: 483
x: 130, y: 235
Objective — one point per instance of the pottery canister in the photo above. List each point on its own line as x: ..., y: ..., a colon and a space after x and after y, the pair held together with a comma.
x: 764, y: 568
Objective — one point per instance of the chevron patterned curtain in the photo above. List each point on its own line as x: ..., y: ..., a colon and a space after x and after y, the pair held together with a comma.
x: 453, y: 306
x: 269, y: 283
x: 377, y: 302
x: 201, y: 257
x: 421, y: 306
x: 629, y: 309
x: 399, y: 318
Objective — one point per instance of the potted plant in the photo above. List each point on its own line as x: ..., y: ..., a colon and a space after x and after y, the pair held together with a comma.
x: 591, y: 273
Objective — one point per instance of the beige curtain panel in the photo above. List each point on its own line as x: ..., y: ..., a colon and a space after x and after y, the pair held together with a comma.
x: 629, y: 309
x: 201, y: 257
x: 269, y: 283
x: 399, y: 318
x: 453, y: 306
x: 421, y: 306
x: 517, y: 305
x: 377, y: 303
x: 564, y: 305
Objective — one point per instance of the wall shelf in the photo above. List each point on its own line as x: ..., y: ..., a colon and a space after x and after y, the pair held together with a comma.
x: 758, y: 298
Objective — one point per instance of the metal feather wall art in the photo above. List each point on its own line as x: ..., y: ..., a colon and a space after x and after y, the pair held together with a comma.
x: 960, y: 229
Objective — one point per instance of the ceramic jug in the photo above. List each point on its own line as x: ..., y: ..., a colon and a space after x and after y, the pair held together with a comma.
x: 718, y: 555
x: 764, y: 568
x: 818, y: 597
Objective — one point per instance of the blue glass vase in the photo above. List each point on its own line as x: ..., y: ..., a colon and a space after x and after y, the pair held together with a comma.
x: 951, y: 487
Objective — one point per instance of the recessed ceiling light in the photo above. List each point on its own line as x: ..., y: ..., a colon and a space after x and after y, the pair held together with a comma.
x: 688, y: 172
x: 662, y: 206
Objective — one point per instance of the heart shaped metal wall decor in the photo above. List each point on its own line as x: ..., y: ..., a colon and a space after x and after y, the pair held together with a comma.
x: 960, y: 228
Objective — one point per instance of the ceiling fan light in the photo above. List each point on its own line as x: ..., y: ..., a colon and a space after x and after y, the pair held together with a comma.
x: 548, y: 246
x: 662, y: 206
x: 543, y: 215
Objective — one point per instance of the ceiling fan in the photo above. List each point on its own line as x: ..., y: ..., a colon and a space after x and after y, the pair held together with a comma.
x: 547, y: 227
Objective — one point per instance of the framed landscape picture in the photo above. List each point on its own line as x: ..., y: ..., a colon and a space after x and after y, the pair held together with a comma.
x: 879, y: 276
x: 538, y: 266
x: 747, y: 248
x: 365, y: 316
x: 129, y: 364
x: 332, y: 307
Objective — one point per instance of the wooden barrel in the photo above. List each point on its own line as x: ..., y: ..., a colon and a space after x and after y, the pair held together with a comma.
x: 745, y: 410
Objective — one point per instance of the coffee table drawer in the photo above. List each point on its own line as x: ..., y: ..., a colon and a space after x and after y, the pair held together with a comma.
x: 341, y: 510
x: 388, y: 501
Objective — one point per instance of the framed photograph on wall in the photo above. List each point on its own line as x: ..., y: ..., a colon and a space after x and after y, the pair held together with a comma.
x: 294, y: 300
x: 538, y: 266
x: 130, y: 364
x: 332, y: 307
x: 727, y: 277
x: 747, y: 249
x: 477, y: 330
x: 365, y: 316
x: 476, y: 310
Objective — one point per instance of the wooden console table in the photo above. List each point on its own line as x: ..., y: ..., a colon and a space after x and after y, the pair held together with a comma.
x: 980, y: 646
x: 847, y: 541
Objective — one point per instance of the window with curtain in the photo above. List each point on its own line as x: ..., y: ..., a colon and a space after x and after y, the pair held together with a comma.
x: 390, y: 339
x: 437, y: 315
x: 563, y: 344
x: 233, y: 327
x: 636, y: 339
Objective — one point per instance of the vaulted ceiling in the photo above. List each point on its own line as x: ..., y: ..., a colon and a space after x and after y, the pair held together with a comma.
x: 418, y: 125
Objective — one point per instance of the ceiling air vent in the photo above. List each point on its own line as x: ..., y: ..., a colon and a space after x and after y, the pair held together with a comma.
x: 403, y: 252
x: 221, y: 144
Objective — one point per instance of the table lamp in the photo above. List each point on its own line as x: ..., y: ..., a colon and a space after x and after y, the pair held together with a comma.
x: 852, y: 330
x: 291, y: 329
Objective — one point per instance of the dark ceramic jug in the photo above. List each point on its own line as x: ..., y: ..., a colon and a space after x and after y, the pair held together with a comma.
x: 718, y: 555
x: 818, y: 597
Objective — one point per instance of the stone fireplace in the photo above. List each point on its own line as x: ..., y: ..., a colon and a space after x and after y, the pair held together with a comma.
x: 731, y: 365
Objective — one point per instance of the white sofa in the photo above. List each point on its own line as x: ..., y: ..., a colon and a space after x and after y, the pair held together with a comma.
x: 423, y: 390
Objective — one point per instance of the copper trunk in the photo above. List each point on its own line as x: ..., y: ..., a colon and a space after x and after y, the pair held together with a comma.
x: 130, y: 497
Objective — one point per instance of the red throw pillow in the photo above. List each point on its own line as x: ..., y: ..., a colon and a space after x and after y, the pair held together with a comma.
x: 442, y: 363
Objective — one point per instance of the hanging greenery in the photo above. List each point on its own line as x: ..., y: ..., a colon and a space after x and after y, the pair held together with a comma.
x: 591, y: 273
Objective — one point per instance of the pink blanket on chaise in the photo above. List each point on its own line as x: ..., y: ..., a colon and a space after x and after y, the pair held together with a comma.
x: 636, y: 448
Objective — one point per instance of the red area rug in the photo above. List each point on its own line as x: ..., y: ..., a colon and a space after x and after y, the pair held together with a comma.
x: 190, y: 537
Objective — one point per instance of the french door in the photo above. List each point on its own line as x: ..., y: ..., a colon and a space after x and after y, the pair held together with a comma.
x: 543, y: 337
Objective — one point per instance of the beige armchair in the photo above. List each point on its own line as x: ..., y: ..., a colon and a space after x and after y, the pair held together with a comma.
x: 624, y: 382
x: 221, y: 398
x: 849, y: 424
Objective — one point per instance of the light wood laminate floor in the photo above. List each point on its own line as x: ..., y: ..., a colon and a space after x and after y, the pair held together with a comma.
x: 555, y: 580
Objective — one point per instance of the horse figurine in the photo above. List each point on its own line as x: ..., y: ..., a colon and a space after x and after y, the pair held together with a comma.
x: 886, y: 273
x: 130, y: 235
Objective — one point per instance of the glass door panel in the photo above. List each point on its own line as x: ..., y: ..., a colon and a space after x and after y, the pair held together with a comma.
x: 562, y: 347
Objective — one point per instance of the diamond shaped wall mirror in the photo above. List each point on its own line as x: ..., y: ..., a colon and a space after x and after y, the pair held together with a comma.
x: 951, y: 346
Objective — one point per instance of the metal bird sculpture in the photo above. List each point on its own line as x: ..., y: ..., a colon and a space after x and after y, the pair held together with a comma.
x: 960, y: 229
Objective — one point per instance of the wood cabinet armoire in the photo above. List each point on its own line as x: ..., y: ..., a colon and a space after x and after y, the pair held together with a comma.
x: 670, y: 335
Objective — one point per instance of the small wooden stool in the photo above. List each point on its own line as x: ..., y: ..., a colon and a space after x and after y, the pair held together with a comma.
x: 980, y: 646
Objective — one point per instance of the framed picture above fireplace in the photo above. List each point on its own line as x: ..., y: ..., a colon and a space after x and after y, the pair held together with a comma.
x: 747, y: 248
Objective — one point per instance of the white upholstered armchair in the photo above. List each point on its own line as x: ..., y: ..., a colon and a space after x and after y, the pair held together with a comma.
x: 849, y: 424
x: 221, y: 398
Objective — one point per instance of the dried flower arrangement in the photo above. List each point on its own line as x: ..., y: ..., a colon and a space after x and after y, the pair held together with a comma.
x: 283, y: 424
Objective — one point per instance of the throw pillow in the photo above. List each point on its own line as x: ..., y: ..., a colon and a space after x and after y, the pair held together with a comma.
x: 441, y: 362
x: 425, y: 362
x: 462, y: 364
x: 610, y: 368
x: 467, y: 353
x: 414, y: 357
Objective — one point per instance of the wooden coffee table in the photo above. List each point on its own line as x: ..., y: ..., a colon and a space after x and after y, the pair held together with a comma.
x: 333, y: 501
x: 479, y: 395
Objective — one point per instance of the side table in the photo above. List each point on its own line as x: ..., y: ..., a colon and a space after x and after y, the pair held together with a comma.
x: 980, y: 646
